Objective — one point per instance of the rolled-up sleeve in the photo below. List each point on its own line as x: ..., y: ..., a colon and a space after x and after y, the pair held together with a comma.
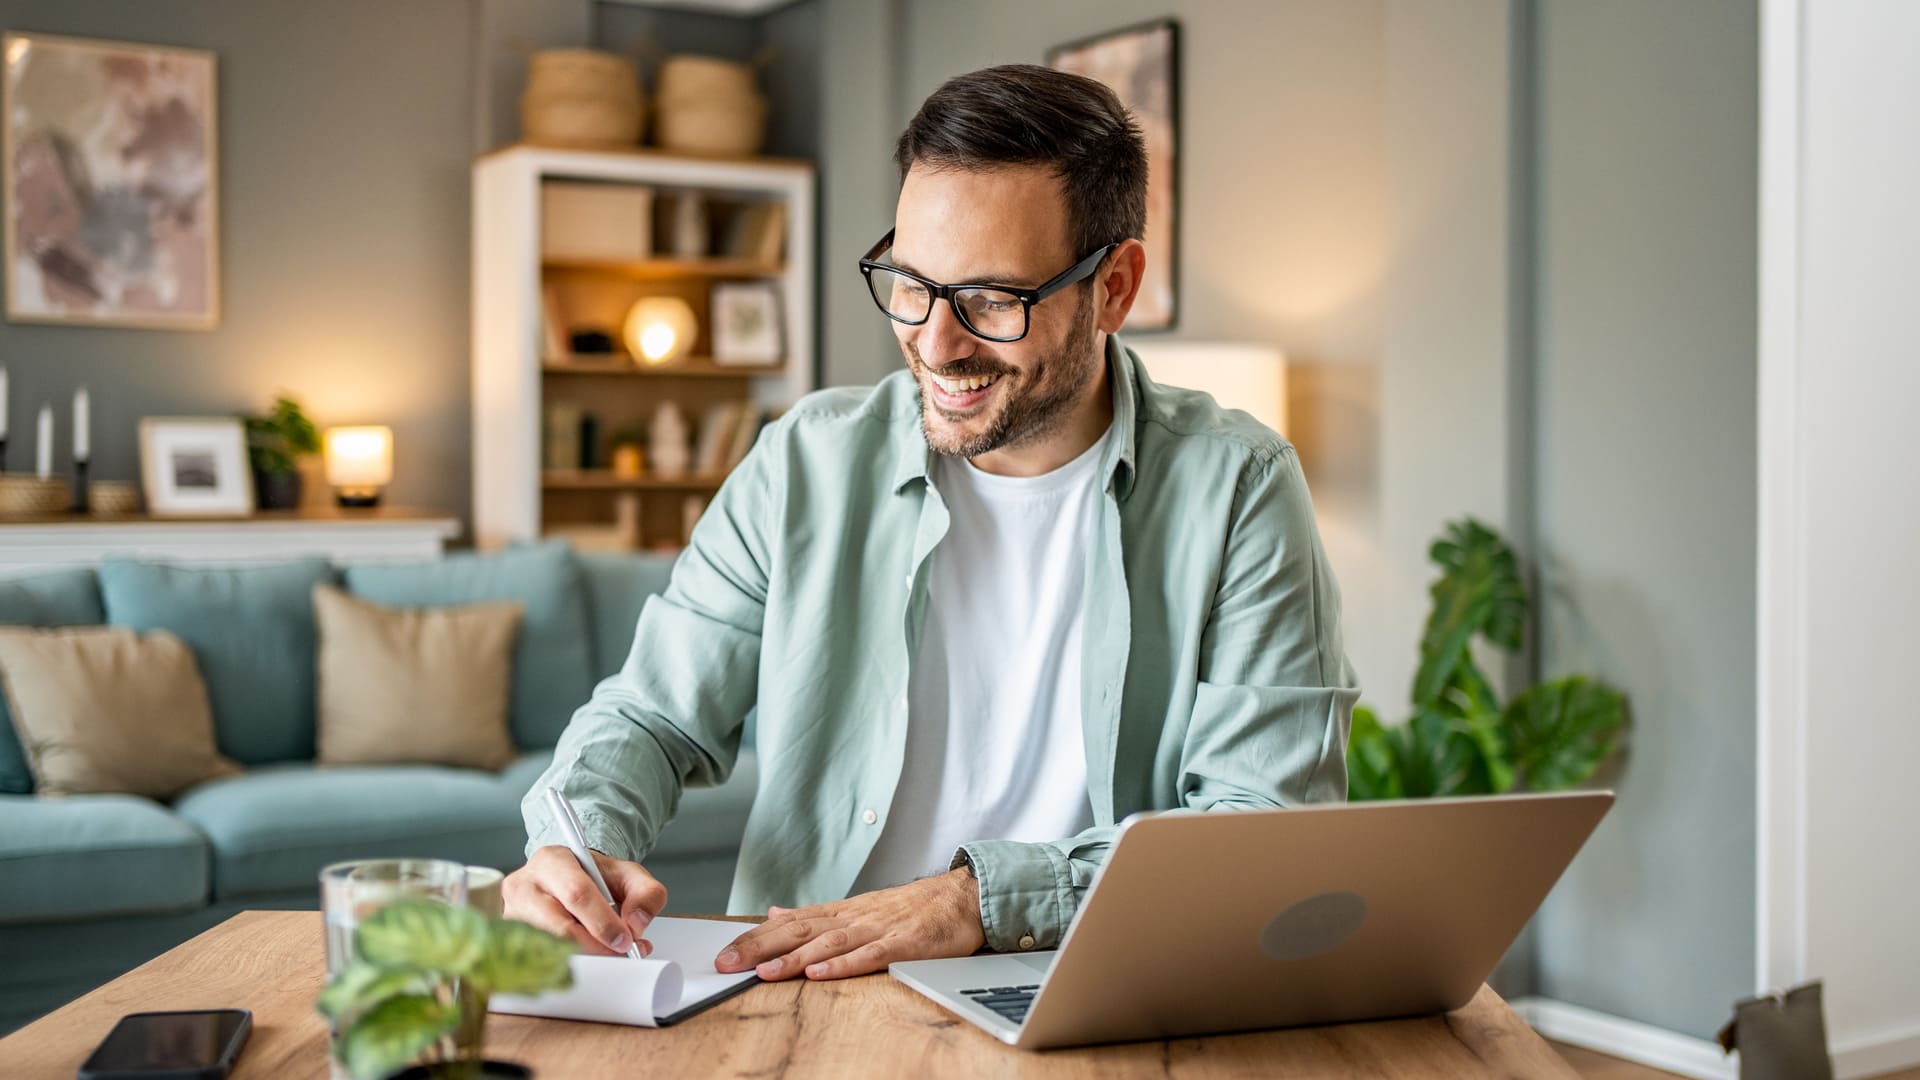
x: 1271, y: 709
x: 672, y: 716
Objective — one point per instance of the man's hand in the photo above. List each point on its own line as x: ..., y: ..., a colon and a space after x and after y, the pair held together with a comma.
x: 553, y: 893
x: 927, y: 919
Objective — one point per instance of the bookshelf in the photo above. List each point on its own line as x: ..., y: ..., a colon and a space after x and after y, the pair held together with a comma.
x: 555, y: 251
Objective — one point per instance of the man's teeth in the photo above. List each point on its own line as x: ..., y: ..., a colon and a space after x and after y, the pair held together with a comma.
x: 964, y: 386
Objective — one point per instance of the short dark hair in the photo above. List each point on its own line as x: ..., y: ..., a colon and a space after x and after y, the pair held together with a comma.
x: 1023, y: 114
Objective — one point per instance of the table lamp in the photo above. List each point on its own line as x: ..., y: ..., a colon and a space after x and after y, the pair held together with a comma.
x: 660, y: 329
x: 359, y: 463
x: 1252, y: 378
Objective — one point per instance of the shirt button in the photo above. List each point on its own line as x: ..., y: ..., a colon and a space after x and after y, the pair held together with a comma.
x: 903, y: 703
x: 1026, y: 941
x: 869, y: 817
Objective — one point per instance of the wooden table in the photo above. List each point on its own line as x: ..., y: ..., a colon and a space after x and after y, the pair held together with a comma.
x: 271, y: 962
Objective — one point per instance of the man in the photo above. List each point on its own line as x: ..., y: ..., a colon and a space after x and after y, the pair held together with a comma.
x: 986, y: 609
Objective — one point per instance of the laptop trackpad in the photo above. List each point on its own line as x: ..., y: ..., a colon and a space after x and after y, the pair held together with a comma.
x: 1039, y: 962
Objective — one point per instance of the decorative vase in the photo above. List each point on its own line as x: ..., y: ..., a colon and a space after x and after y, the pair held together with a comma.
x: 275, y: 490
x: 668, y: 450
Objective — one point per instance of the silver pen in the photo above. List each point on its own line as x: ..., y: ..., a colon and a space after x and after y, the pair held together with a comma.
x: 577, y: 843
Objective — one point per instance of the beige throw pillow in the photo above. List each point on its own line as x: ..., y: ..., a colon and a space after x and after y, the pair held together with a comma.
x: 414, y: 685
x: 102, y: 709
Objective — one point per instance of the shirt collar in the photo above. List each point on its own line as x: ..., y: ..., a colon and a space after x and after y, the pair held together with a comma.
x: 914, y: 459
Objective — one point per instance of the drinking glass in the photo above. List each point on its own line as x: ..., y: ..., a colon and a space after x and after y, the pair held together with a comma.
x: 351, y: 891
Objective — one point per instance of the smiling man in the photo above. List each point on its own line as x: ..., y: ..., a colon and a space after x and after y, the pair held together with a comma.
x: 986, y: 609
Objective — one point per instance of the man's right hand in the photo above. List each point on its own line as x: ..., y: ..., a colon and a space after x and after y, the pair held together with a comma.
x: 553, y: 893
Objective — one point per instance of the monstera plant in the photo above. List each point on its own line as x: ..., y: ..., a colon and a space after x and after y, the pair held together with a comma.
x: 1460, y: 739
x: 418, y: 988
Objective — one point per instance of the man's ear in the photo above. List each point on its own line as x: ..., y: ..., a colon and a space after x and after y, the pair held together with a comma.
x: 1118, y: 282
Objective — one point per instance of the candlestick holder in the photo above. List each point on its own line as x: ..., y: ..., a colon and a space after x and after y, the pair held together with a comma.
x: 79, y: 504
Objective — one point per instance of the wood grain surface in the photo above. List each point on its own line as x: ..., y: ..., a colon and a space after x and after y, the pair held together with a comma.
x: 271, y: 962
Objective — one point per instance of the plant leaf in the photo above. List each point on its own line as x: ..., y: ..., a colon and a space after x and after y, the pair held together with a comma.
x: 1489, y: 763
x: 425, y: 934
x: 363, y: 984
x: 1479, y: 592
x: 522, y: 959
x: 1372, y: 772
x: 393, y: 1033
x: 1562, y: 730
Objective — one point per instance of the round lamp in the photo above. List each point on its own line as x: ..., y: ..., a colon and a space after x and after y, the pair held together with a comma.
x: 660, y: 330
x: 359, y: 463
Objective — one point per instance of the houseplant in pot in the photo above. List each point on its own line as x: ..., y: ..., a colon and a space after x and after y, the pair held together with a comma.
x: 275, y: 444
x: 416, y: 992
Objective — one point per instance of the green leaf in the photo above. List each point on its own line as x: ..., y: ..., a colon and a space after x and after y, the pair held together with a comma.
x: 425, y: 934
x: 1479, y: 593
x: 393, y: 1033
x: 522, y: 959
x: 1490, y: 766
x: 1372, y: 771
x: 363, y: 985
x: 1562, y: 730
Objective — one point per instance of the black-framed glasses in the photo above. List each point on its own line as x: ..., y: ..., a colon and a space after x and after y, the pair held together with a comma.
x: 988, y: 310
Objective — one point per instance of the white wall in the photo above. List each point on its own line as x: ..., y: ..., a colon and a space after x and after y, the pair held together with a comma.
x: 1840, y: 489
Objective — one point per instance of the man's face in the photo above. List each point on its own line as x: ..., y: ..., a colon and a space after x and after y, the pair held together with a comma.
x: 1005, y: 226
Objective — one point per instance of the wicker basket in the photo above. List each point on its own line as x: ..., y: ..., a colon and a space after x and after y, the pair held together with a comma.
x: 113, y: 497
x: 24, y: 495
x: 709, y: 106
x: 581, y: 97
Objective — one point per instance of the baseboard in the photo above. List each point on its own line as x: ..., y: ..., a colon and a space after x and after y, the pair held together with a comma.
x: 1877, y: 1054
x: 1629, y: 1039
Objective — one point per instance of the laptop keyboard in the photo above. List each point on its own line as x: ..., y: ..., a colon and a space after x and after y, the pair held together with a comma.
x: 1011, y: 1002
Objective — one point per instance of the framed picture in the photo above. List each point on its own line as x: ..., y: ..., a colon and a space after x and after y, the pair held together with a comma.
x: 746, y: 324
x: 1142, y: 65
x: 195, y: 467
x: 110, y: 184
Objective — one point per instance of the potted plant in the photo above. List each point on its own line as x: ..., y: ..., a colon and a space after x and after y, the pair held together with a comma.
x: 417, y: 990
x: 1460, y: 739
x: 275, y: 444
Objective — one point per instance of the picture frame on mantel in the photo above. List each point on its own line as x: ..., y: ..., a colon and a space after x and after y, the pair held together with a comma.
x: 109, y: 174
x: 195, y: 467
x: 1141, y: 64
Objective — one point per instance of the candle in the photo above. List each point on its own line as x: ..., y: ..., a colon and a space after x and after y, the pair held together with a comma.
x: 82, y: 406
x: 43, y: 449
x: 3, y: 401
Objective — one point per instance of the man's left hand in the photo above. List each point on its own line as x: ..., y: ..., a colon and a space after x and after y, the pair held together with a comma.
x: 928, y: 919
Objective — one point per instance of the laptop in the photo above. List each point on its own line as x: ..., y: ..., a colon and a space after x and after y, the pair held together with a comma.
x: 1206, y: 923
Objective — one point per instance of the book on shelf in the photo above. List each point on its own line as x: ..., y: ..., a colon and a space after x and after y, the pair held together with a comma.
x: 758, y: 232
x: 716, y: 436
x: 752, y: 419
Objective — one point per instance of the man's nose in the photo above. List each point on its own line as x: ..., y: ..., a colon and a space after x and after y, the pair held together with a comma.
x: 942, y: 339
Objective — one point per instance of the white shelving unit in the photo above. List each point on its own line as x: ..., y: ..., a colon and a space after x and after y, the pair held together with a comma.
x: 513, y: 377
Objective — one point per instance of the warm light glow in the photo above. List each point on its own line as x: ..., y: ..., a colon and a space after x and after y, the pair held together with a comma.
x: 359, y: 457
x: 17, y: 51
x: 1252, y: 378
x: 660, y: 329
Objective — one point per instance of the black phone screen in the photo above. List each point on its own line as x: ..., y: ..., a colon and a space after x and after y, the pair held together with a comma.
x: 207, y: 1040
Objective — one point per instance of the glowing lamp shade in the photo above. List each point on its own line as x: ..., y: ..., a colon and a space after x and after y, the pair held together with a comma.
x: 1252, y: 378
x: 660, y: 329
x: 359, y: 463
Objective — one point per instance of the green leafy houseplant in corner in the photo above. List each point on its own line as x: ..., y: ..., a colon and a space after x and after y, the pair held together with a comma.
x: 275, y: 444
x: 418, y: 988
x: 1460, y: 739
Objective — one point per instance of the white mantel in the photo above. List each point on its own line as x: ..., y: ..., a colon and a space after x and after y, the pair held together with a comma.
x: 385, y: 534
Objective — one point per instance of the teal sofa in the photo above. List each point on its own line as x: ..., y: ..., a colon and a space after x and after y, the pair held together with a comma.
x: 94, y: 885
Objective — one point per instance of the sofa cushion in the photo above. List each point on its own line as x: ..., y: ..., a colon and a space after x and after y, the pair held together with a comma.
x: 553, y: 660
x: 251, y: 629
x: 104, y: 710
x: 617, y: 587
x: 64, y: 598
x: 275, y: 827
x: 92, y: 855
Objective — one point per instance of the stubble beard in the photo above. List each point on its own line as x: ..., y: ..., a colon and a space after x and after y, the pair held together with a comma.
x: 1021, y: 420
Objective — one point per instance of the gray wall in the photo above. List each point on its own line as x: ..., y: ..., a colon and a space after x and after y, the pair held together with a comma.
x: 1646, y: 504
x: 345, y: 132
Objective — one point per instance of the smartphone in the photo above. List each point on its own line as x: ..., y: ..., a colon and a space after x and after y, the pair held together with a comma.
x: 198, y: 1045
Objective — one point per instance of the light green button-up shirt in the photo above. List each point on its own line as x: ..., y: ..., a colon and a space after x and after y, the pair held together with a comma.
x: 1212, y: 675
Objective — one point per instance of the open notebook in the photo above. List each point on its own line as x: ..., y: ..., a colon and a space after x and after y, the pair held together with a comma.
x: 674, y: 982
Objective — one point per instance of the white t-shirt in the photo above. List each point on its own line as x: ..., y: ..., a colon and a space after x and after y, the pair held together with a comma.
x: 993, y: 723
